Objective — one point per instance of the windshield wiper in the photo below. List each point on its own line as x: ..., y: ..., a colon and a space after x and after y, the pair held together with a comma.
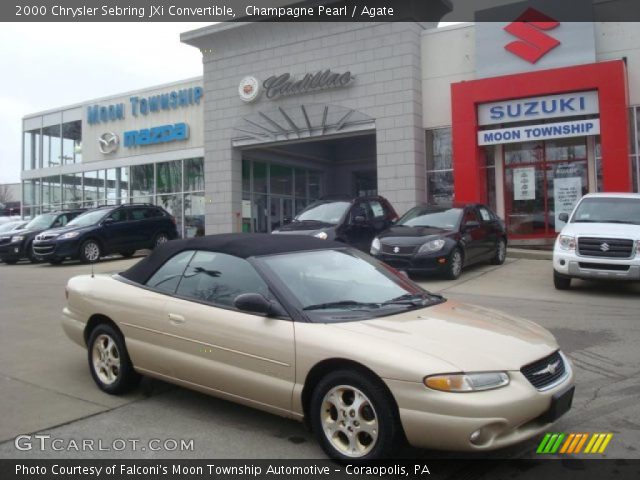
x: 417, y: 299
x: 341, y: 303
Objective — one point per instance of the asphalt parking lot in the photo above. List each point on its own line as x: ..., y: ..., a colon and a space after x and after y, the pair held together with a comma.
x: 45, y: 385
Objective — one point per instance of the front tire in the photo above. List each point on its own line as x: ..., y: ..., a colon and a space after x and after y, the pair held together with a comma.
x: 109, y: 361
x: 454, y: 265
x: 501, y: 253
x: 353, y: 417
x: 561, y: 282
x: 31, y: 256
x: 90, y: 251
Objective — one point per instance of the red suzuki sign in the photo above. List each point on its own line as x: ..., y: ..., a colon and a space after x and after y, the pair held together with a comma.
x: 533, y: 43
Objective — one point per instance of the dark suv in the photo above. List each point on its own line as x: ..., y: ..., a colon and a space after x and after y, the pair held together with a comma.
x: 355, y: 221
x: 17, y: 245
x: 119, y: 229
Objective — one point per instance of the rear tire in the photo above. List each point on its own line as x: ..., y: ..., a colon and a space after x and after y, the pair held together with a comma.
x: 109, y: 361
x: 90, y: 251
x: 561, y: 282
x: 454, y: 265
x: 160, y: 239
x: 353, y: 417
x: 501, y: 253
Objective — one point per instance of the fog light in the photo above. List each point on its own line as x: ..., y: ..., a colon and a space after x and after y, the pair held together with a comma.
x: 562, y: 262
x: 442, y: 260
x: 16, y: 250
x: 475, y: 437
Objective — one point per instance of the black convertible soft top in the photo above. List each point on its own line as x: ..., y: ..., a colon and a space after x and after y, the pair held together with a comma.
x: 243, y: 245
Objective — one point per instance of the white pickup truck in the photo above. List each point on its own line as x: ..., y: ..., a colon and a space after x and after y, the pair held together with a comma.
x: 601, y: 240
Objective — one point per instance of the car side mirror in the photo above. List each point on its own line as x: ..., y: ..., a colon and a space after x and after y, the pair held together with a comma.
x: 254, y: 303
x: 471, y: 224
x: 563, y: 217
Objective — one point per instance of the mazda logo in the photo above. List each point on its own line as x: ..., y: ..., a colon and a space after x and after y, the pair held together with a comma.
x: 605, y: 247
x: 108, y: 143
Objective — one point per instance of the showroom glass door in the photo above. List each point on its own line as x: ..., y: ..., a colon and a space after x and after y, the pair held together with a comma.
x: 541, y: 180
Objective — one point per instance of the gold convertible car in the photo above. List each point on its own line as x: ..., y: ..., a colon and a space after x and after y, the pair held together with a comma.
x: 322, y: 333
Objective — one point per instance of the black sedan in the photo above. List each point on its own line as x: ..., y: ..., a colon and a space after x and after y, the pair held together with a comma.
x: 442, y: 240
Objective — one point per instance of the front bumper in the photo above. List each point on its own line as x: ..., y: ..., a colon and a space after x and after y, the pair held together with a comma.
x: 59, y: 249
x: 12, y: 251
x: 435, y: 263
x: 570, y: 264
x: 446, y: 421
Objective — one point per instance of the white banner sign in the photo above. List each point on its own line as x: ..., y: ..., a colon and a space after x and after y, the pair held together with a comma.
x: 545, y: 131
x: 539, y: 108
x: 524, y: 183
x: 566, y: 193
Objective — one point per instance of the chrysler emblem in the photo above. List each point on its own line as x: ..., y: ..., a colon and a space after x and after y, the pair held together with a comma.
x: 550, y: 369
x: 108, y: 143
x: 396, y: 249
x: 604, y: 247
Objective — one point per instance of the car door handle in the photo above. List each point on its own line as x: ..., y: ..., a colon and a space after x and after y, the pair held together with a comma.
x: 176, y: 319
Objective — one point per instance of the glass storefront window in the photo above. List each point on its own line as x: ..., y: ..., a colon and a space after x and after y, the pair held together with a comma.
x: 142, y: 182
x: 123, y: 184
x: 194, y: 214
x: 94, y: 188
x: 31, y: 192
x: 169, y: 177
x: 566, y: 149
x: 519, y: 153
x: 194, y: 174
x: 111, y: 188
x: 314, y: 181
x: 440, y: 187
x: 246, y: 175
x: 172, y: 204
x: 300, y: 183
x: 51, y: 190
x: 439, y: 152
x: 31, y: 157
x: 72, y: 190
x: 72, y: 142
x: 51, y: 146
x: 259, y: 177
x: 281, y: 180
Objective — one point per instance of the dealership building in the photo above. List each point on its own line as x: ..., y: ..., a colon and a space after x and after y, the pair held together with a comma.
x: 525, y: 117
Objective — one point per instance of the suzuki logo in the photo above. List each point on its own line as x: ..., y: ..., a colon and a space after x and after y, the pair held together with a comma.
x: 604, y: 247
x: 534, y: 43
x: 396, y: 249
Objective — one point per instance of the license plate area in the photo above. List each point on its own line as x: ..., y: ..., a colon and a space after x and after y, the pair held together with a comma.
x: 560, y: 404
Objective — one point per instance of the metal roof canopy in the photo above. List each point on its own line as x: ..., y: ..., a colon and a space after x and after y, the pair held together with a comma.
x: 298, y: 123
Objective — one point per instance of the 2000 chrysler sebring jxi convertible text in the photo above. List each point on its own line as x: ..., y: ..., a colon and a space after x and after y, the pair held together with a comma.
x: 319, y: 331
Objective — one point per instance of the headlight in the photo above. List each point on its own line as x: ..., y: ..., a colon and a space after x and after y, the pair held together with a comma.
x: 467, y: 382
x: 566, y: 242
x: 432, y: 246
x: 375, y: 246
x: 321, y: 235
x: 17, y: 238
x: 68, y: 235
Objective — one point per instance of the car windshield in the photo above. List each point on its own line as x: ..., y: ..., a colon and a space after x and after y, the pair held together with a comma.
x: 41, y: 221
x: 88, y: 218
x: 345, y: 284
x: 608, y: 210
x: 428, y: 217
x: 325, y: 212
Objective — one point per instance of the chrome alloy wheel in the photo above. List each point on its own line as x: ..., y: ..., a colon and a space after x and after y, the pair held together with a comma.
x: 456, y: 263
x: 106, y: 359
x: 161, y: 238
x: 502, y: 251
x: 349, y: 421
x: 92, y: 251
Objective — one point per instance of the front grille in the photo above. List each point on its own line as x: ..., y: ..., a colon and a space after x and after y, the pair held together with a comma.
x: 604, y: 266
x: 398, y: 263
x: 45, y: 237
x: 44, y: 249
x: 546, y: 371
x: 605, y: 247
x: 402, y: 250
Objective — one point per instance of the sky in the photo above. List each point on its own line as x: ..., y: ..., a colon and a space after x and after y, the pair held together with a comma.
x: 50, y: 65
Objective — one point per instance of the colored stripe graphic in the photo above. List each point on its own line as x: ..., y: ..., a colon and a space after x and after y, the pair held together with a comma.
x: 563, y: 443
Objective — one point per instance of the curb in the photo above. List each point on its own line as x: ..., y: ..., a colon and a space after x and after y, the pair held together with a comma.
x: 529, y: 254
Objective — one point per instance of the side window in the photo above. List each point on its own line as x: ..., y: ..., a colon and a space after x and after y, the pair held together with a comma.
x: 485, y: 214
x: 218, y: 278
x: 360, y: 209
x: 119, y: 215
x: 152, y: 213
x: 377, y: 209
x: 470, y: 216
x: 61, y: 221
x: 137, y: 213
x: 168, y: 276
